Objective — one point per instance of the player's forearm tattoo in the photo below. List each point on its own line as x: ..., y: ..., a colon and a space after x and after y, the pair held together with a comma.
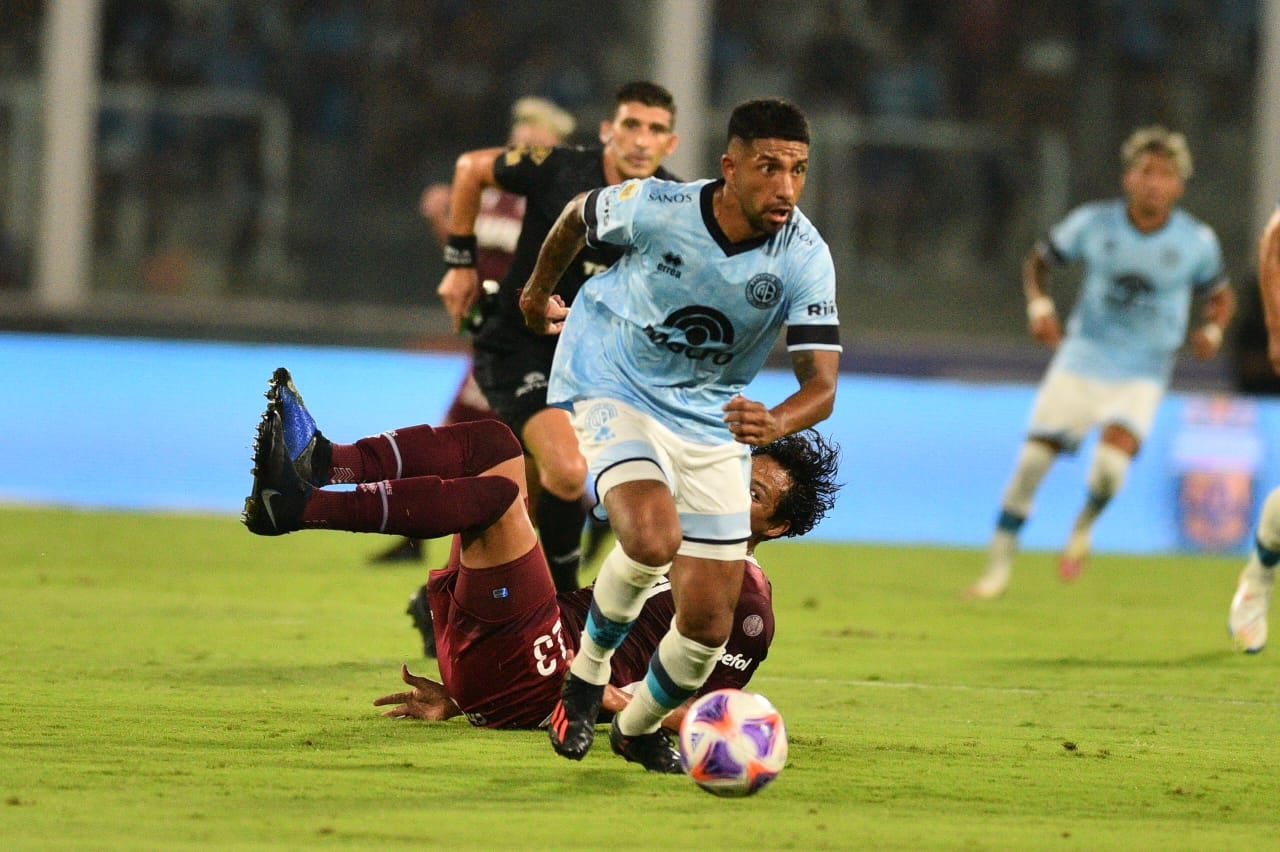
x: 566, y: 239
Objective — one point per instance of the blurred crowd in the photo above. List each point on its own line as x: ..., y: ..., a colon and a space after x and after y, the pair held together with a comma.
x: 382, y: 94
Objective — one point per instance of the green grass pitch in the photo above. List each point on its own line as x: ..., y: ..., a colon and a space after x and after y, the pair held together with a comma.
x: 174, y: 682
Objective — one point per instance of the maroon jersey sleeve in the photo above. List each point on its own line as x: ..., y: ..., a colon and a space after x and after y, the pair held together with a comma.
x: 752, y: 633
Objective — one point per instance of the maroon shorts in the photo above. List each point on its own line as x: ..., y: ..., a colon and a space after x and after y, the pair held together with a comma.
x: 501, y: 649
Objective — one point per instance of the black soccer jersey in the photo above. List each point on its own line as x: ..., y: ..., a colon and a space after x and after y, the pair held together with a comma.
x: 548, y: 178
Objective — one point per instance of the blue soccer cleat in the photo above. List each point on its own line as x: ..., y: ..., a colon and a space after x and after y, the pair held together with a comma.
x: 276, y: 502
x: 310, y: 451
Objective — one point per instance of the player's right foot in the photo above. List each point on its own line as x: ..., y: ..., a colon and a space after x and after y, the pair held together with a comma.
x: 1074, y: 556
x: 653, y: 751
x: 310, y: 451
x: 1247, y: 621
x: 990, y: 585
x: 278, y: 496
x: 572, y: 726
x: 420, y: 611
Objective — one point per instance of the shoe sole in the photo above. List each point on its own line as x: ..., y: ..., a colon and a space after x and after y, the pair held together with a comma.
x: 253, y: 516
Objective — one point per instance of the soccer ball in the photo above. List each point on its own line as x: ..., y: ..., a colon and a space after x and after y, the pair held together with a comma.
x: 733, y: 743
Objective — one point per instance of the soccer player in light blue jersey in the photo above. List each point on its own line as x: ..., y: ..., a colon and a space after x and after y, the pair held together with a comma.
x: 1247, y: 618
x: 652, y: 360
x: 1146, y: 262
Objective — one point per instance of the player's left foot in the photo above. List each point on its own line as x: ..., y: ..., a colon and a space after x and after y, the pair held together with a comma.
x: 990, y: 585
x: 310, y: 451
x: 1075, y: 556
x: 278, y: 497
x: 653, y: 751
x: 1247, y: 621
x: 404, y: 550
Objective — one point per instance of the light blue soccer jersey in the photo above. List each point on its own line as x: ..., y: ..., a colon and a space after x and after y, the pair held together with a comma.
x: 1135, y: 299
x: 685, y: 320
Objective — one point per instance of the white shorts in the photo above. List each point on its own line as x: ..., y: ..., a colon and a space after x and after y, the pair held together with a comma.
x: 1068, y: 405
x: 710, y: 482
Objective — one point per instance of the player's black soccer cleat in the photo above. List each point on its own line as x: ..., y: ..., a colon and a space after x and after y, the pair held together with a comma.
x: 420, y: 611
x: 276, y: 502
x: 309, y: 450
x: 572, y: 725
x: 653, y: 751
x: 404, y: 550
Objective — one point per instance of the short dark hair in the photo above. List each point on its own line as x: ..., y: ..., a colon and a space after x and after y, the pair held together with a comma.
x: 812, y: 463
x: 647, y: 93
x: 768, y: 118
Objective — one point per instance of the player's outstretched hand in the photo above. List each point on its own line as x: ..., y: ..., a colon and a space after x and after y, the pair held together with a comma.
x: 459, y: 290
x: 1047, y: 330
x: 427, y: 700
x: 1205, y: 341
x: 544, y: 317
x: 750, y: 422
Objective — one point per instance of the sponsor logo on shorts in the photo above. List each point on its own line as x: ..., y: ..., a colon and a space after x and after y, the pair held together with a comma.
x: 735, y: 661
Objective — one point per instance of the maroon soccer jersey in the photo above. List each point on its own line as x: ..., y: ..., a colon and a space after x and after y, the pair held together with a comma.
x: 503, y: 637
x: 497, y: 232
x: 500, y: 647
x: 747, y: 647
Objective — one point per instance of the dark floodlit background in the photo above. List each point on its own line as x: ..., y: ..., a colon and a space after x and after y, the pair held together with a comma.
x: 233, y: 175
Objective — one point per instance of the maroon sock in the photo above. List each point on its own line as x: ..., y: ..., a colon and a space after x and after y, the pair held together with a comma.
x: 463, y: 449
x: 418, y: 507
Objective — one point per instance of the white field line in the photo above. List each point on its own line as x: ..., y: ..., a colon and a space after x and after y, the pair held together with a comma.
x: 1023, y: 690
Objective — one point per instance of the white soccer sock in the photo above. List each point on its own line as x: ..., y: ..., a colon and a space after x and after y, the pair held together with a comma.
x: 619, y: 594
x: 1269, y: 525
x: 1034, y: 460
x: 676, y: 670
x: 1107, y: 474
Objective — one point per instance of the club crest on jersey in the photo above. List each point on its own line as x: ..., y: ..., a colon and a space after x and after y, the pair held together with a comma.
x: 764, y: 290
x: 698, y: 332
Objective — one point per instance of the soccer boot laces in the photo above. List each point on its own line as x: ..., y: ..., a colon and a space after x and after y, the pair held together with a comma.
x: 309, y: 450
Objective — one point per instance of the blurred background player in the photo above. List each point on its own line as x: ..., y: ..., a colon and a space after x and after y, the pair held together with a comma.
x: 653, y: 360
x: 511, y: 362
x: 505, y: 634
x: 1247, y: 619
x: 534, y: 121
x: 1145, y: 262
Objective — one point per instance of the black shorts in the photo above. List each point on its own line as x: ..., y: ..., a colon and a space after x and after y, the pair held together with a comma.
x: 515, y: 382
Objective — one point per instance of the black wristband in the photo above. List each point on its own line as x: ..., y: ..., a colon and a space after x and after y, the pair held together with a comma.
x: 460, y: 250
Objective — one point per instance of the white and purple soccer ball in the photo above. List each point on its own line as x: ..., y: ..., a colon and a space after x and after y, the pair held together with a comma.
x: 733, y: 743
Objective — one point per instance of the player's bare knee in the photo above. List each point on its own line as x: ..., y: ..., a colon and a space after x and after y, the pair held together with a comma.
x: 564, y: 477
x: 655, y: 546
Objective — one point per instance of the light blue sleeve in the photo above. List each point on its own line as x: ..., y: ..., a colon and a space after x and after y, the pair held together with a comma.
x: 1066, y: 239
x: 814, y: 302
x: 610, y: 213
x: 1210, y: 274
